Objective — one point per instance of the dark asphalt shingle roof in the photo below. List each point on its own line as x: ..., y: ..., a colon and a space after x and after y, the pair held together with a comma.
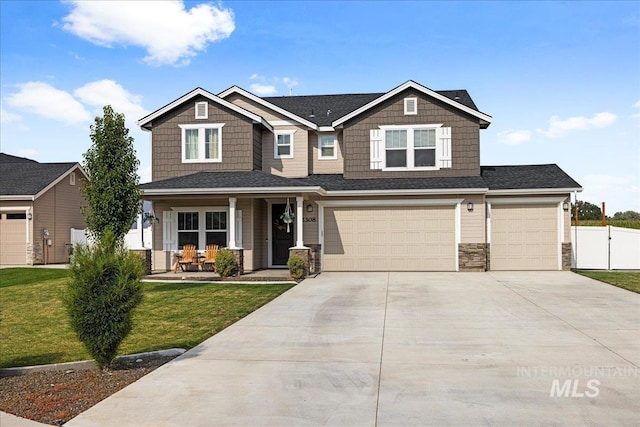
x: 343, y: 104
x: 526, y: 176
x: 492, y: 177
x: 25, y: 177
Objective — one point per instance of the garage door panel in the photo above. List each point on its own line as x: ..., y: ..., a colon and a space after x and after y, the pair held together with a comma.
x: 524, y: 237
x: 13, y: 242
x: 382, y: 239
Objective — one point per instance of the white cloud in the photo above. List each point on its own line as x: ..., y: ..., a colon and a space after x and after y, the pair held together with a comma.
x: 46, y: 101
x: 7, y: 117
x: 255, y: 76
x: 514, y: 137
x: 636, y: 115
x: 263, y: 90
x: 290, y: 82
x: 108, y: 92
x: 558, y: 127
x: 169, y: 32
x: 619, y: 192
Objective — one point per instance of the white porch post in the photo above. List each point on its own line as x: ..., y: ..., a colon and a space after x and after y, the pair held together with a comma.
x: 232, y: 222
x: 299, y: 213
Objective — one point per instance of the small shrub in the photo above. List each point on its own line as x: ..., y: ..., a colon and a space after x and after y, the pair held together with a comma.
x: 296, y: 267
x: 226, y: 264
x: 104, y: 290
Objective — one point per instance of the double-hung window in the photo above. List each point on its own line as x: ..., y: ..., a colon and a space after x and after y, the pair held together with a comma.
x: 424, y: 147
x: 410, y: 147
x: 327, y: 147
x: 188, y: 229
x: 396, y: 148
x: 283, y: 145
x: 202, y: 143
x: 216, y: 228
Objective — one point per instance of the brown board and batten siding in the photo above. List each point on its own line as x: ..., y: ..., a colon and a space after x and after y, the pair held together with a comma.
x: 465, y: 136
x: 237, y: 141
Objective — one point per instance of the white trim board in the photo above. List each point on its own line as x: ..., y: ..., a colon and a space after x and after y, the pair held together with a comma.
x: 411, y: 84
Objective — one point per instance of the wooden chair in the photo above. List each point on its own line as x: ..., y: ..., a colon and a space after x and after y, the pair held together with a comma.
x: 188, y: 257
x: 210, y: 257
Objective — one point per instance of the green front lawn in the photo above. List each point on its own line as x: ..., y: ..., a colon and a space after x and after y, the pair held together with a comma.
x: 623, y: 279
x: 34, y: 327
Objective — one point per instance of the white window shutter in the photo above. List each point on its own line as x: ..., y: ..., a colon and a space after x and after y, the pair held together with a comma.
x: 169, y: 231
x: 376, y: 148
x: 443, y: 147
x: 238, y: 229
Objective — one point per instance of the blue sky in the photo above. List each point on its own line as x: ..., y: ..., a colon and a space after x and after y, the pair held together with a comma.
x: 561, y: 79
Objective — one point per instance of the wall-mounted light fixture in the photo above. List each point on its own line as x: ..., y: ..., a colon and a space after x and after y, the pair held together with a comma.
x: 565, y: 206
x: 309, y: 207
x: 29, y: 216
x: 470, y: 206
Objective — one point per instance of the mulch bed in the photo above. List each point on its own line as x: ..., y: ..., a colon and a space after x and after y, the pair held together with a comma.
x: 54, y: 397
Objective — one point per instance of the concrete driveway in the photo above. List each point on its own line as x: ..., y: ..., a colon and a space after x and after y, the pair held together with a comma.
x: 399, y: 349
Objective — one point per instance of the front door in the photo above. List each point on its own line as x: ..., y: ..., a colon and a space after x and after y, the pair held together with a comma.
x: 281, y: 240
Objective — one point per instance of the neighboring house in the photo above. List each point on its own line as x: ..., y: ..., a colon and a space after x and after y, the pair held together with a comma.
x: 39, y: 204
x: 381, y: 181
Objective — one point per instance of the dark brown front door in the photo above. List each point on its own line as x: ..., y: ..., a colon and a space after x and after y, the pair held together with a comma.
x: 281, y: 240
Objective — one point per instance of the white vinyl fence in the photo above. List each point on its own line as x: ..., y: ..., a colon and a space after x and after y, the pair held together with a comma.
x: 137, y: 238
x: 605, y: 248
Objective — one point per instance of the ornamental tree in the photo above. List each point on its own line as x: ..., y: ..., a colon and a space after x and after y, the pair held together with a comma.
x: 112, y: 194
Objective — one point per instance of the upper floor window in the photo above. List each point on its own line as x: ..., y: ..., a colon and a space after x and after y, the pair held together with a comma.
x: 407, y: 147
x: 327, y: 147
x: 202, y: 110
x: 283, y: 145
x: 410, y: 106
x: 202, y: 143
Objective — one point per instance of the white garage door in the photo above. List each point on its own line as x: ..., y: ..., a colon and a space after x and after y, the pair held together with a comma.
x: 13, y: 241
x: 389, y: 239
x: 524, y: 237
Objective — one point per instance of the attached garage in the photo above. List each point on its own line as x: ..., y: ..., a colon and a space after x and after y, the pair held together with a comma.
x: 525, y: 237
x: 13, y: 238
x: 389, y: 238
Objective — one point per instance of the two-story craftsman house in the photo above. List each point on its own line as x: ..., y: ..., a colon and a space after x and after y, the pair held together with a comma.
x: 380, y: 181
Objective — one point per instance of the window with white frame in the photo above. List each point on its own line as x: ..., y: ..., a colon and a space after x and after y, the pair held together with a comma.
x: 202, y: 110
x: 188, y: 229
x: 327, y: 146
x: 283, y: 145
x: 72, y: 178
x: 424, y: 146
x: 410, y: 106
x: 216, y: 228
x: 202, y: 143
x: 411, y: 147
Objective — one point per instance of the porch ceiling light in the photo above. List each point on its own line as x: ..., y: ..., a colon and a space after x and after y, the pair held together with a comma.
x: 470, y: 206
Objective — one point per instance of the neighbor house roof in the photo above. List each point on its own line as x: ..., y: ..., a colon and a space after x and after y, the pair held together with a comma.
x: 493, y: 179
x: 26, y: 177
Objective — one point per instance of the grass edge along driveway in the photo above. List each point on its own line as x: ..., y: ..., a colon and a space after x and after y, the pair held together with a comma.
x: 629, y: 280
x: 34, y: 325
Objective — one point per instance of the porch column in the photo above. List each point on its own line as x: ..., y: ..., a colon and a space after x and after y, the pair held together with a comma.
x: 299, y: 214
x: 232, y: 222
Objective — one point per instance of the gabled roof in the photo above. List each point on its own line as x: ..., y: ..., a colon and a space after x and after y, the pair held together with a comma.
x: 506, y: 179
x: 26, y: 178
x: 265, y: 103
x: 145, y: 121
x: 485, y: 119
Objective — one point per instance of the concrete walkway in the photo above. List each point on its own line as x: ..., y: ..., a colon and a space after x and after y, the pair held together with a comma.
x: 398, y: 349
